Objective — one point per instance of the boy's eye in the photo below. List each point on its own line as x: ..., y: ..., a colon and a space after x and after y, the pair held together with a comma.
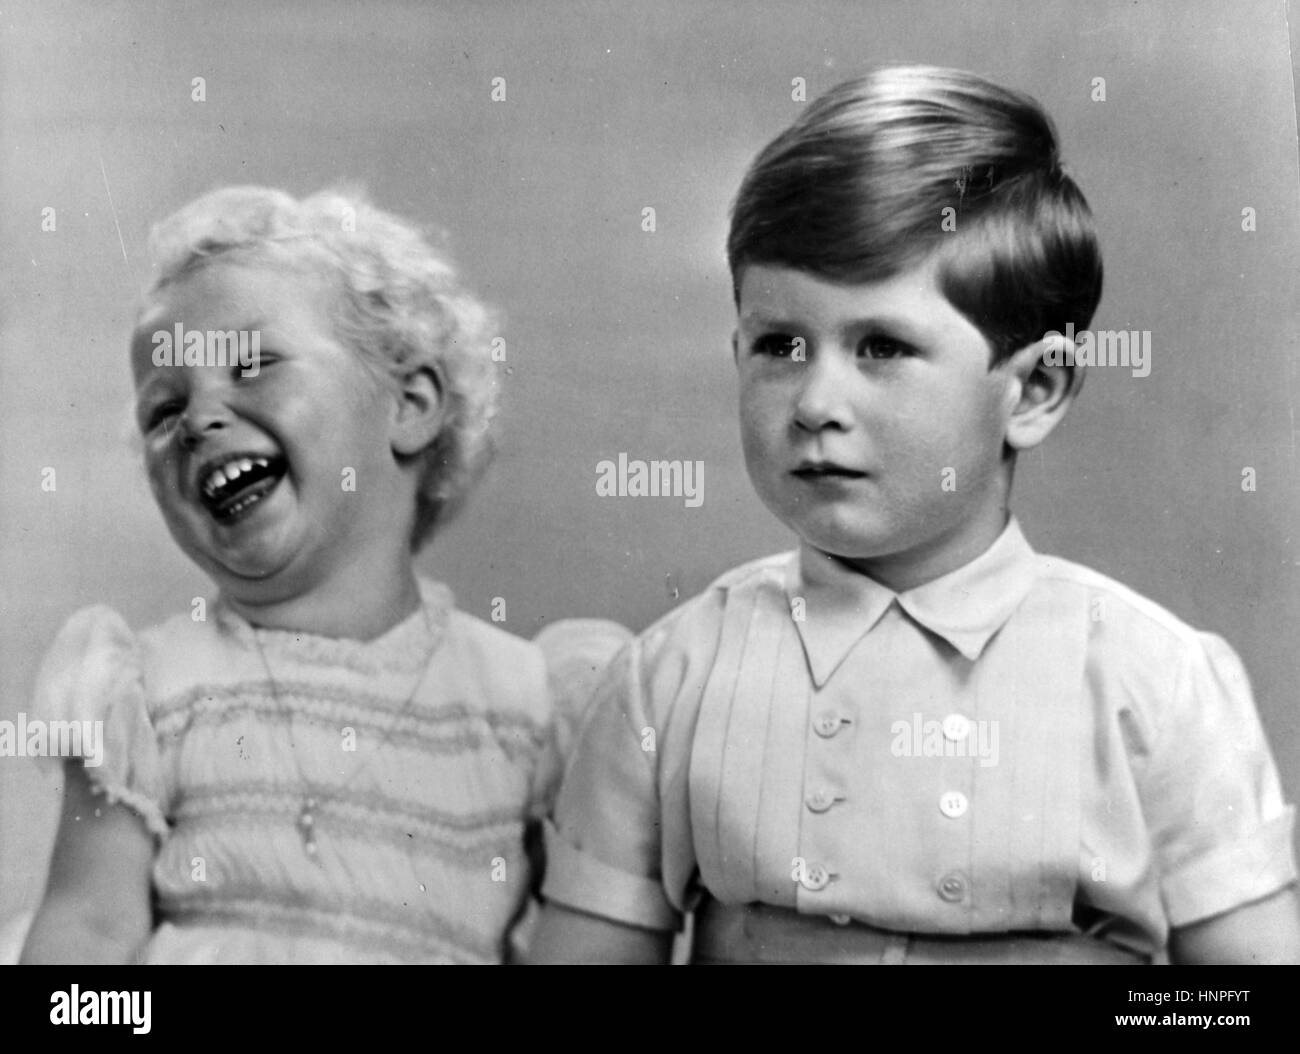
x: 882, y: 347
x: 780, y: 346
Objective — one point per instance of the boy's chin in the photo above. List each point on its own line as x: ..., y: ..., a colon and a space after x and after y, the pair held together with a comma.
x: 854, y: 552
x: 847, y: 541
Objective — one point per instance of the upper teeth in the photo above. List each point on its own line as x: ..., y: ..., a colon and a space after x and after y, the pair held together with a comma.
x: 231, y: 470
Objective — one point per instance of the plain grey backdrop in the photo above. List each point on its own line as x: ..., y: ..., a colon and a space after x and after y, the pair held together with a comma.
x: 617, y: 338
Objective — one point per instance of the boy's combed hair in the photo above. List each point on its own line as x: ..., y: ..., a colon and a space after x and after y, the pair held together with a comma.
x: 855, y: 191
x: 400, y: 305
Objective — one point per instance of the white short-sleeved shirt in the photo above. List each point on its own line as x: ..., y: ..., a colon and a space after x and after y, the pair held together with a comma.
x: 1020, y: 745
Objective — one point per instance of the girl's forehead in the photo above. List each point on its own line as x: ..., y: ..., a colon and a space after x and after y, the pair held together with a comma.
x: 240, y: 295
x: 285, y: 306
x: 239, y: 282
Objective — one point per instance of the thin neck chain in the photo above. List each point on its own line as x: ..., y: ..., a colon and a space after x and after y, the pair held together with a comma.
x: 311, y: 793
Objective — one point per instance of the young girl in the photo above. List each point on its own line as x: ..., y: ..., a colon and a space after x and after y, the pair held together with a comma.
x: 325, y: 762
x: 915, y: 740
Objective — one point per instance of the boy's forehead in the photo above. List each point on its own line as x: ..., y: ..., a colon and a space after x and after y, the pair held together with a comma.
x: 908, y: 304
x: 770, y: 289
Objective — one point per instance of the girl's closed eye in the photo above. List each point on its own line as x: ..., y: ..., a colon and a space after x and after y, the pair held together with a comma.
x: 157, y: 414
x: 254, y: 366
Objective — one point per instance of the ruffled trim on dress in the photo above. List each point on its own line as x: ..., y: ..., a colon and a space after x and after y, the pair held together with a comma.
x: 140, y: 804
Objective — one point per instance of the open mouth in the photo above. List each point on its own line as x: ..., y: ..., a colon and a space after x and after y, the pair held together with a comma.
x: 229, y: 489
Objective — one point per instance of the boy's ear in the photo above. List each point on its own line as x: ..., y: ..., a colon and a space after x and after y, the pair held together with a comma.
x: 735, y: 346
x: 419, y: 410
x: 1043, y: 383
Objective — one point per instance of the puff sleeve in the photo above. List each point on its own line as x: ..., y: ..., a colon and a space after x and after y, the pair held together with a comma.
x: 92, y: 675
x: 604, y: 845
x: 1221, y: 830
x: 577, y: 653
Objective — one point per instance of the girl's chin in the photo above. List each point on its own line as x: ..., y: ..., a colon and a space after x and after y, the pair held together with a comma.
x: 254, y: 559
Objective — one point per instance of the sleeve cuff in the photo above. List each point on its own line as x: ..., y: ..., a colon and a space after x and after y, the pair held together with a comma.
x: 1236, y: 874
x: 140, y: 804
x: 580, y: 881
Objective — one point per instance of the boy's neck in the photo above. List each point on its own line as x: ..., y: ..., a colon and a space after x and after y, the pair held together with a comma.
x: 358, y: 603
x: 940, y: 556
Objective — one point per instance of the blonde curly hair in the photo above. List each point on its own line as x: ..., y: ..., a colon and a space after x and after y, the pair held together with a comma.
x: 401, y: 307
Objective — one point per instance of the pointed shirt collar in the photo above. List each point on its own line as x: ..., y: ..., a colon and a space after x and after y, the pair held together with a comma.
x: 965, y: 607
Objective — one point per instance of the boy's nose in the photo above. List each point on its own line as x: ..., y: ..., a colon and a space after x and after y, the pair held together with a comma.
x: 820, y: 400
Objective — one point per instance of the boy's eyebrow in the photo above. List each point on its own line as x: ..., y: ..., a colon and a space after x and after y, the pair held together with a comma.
x: 900, y: 325
x: 896, y: 325
x: 761, y: 319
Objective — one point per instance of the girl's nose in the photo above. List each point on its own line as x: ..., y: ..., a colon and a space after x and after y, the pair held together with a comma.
x: 202, y: 418
x: 821, y: 400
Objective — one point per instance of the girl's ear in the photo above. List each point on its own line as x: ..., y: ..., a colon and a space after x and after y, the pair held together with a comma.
x: 419, y: 410
x: 1042, y: 383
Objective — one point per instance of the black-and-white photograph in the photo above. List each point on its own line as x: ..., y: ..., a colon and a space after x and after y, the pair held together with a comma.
x: 661, y: 482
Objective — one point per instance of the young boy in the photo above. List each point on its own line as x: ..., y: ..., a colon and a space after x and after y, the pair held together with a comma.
x: 914, y: 739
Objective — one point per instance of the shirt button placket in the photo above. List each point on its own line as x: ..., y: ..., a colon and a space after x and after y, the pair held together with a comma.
x: 820, y: 798
x: 954, y: 887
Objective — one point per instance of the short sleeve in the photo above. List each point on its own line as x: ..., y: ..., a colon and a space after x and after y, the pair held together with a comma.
x: 603, y: 846
x: 1221, y: 830
x: 577, y: 653
x: 91, y: 675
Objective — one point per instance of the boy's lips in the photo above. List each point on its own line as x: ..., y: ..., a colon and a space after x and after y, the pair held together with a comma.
x: 229, y: 485
x: 817, y: 470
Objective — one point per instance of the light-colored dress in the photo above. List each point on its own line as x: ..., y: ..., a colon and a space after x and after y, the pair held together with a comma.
x: 321, y: 800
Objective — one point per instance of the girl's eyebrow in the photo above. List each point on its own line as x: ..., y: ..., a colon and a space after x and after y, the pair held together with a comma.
x: 155, y: 378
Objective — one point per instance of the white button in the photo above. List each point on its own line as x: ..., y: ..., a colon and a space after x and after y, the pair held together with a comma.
x: 841, y: 920
x: 815, y: 877
x: 952, y: 887
x: 956, y: 727
x: 820, y: 800
x: 953, y: 804
x: 826, y: 725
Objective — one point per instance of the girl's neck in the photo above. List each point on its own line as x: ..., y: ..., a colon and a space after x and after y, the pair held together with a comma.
x: 355, y: 604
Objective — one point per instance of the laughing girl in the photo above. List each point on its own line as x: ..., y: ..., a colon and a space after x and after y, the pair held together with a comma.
x: 326, y: 762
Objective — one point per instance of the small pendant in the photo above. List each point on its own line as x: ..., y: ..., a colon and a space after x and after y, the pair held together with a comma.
x: 307, y: 827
